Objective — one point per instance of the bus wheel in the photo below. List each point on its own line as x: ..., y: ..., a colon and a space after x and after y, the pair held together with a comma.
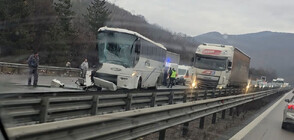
x: 139, y: 86
x: 157, y: 84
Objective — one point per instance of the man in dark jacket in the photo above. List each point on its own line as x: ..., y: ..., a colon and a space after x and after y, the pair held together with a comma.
x: 33, y: 63
x: 165, y: 75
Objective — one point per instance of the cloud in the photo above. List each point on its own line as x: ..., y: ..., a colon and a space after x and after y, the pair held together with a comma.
x: 194, y: 17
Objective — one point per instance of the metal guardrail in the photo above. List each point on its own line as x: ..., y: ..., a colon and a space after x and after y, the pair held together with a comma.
x: 136, y: 123
x: 31, y: 110
x: 16, y: 68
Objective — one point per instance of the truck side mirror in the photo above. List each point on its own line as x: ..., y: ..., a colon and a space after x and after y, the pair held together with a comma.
x: 229, y: 65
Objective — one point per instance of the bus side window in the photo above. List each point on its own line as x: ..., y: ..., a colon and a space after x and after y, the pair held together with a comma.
x: 158, y: 53
x: 144, y: 48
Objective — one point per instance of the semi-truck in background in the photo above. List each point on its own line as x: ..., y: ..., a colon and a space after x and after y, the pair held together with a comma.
x: 220, y: 66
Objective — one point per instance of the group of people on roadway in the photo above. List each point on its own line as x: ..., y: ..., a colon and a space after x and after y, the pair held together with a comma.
x: 170, y: 74
x: 33, y: 64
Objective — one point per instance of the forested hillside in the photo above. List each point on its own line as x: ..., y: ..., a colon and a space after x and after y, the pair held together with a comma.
x: 120, y: 18
x: 60, y: 31
x: 65, y: 30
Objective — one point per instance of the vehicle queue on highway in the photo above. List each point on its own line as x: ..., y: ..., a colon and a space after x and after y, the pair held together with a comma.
x: 131, y: 61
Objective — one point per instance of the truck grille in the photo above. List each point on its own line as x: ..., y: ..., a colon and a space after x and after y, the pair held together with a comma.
x: 107, y: 77
x: 205, y: 84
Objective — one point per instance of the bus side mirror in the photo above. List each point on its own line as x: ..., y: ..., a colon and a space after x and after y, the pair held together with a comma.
x: 287, y: 100
x: 137, y: 48
x: 192, y: 59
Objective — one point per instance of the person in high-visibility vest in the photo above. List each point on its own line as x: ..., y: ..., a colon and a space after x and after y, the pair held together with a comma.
x: 172, y: 78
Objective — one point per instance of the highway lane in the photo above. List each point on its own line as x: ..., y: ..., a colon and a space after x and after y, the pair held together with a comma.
x: 269, y: 127
x: 18, y: 83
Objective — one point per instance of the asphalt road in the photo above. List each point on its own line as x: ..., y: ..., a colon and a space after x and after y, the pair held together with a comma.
x: 269, y: 128
x: 18, y: 83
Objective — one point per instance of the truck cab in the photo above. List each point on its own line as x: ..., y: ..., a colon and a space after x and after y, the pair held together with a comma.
x: 219, y: 66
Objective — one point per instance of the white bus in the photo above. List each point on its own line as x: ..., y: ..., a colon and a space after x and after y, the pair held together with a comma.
x: 129, y: 60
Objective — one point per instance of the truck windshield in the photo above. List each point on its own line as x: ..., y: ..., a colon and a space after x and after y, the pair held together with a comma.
x: 116, y: 48
x: 210, y: 63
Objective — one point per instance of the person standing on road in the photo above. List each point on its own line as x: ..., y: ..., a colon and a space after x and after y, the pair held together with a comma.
x: 84, y: 68
x: 33, y: 63
x: 172, y: 78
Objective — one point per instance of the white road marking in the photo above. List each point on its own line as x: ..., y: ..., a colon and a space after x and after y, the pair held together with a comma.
x: 242, y: 133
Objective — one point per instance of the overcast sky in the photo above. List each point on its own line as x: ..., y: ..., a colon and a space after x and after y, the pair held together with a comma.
x: 194, y: 17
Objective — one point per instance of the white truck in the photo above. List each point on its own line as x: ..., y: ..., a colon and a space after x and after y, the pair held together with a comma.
x: 279, y: 82
x: 220, y: 66
x: 184, y: 75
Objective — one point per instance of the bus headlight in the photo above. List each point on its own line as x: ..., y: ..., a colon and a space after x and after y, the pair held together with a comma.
x: 134, y: 73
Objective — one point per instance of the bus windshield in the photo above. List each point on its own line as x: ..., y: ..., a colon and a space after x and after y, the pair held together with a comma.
x: 210, y: 63
x: 116, y: 48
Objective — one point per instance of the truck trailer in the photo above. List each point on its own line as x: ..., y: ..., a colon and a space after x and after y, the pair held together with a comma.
x: 220, y: 66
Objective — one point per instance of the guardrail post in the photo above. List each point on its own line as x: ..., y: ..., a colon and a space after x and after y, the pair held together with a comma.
x: 44, y: 109
x: 162, y: 134
x: 201, y: 124
x: 223, y: 114
x: 185, y: 97
x: 213, y: 93
x: 153, y: 99
x: 231, y: 112
x: 185, y: 128
x: 196, y: 96
x: 171, y: 98
x: 95, y: 102
x: 213, y: 118
x: 205, y: 94
x: 129, y: 101
x: 238, y: 111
